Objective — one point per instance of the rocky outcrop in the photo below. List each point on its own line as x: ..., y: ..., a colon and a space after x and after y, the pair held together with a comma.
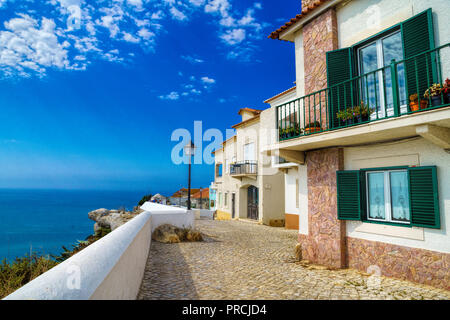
x: 111, y: 219
x: 167, y: 233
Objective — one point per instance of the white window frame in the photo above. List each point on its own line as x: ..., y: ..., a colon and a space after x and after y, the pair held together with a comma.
x: 380, y: 64
x: 248, y: 154
x: 387, y: 196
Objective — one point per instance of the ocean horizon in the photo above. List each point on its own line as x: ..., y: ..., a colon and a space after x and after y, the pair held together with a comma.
x: 44, y: 220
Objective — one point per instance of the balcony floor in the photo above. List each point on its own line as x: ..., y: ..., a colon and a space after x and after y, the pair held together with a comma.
x: 373, y: 132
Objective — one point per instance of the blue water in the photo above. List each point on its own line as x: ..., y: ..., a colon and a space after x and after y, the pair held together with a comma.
x: 45, y: 220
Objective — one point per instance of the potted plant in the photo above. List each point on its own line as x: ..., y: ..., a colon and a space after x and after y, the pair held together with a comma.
x: 313, y: 127
x: 414, y: 102
x: 291, y: 132
x: 342, y: 115
x: 446, y: 91
x: 434, y: 94
x: 363, y: 111
x: 297, y: 130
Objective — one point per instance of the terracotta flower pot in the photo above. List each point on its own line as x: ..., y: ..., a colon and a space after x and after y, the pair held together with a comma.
x: 414, y: 105
x: 313, y: 129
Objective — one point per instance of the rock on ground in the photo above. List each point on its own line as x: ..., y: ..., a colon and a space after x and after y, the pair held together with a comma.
x: 167, y: 233
x: 111, y: 219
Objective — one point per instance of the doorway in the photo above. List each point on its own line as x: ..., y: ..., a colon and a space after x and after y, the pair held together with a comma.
x: 252, y: 203
x: 233, y: 205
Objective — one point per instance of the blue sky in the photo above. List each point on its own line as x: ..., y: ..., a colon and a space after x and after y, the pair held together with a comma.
x: 90, y: 92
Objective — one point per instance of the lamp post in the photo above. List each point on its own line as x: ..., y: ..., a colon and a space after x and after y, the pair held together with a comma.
x: 189, y: 150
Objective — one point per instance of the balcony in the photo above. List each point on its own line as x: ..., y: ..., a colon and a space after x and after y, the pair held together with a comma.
x: 391, y: 92
x: 244, y: 169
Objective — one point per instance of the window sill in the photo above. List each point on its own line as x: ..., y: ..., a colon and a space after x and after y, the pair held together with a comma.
x: 390, y: 229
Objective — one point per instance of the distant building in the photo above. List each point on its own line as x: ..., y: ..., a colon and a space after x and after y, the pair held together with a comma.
x: 180, y: 197
x: 159, y: 199
x: 213, y: 197
x: 200, y: 200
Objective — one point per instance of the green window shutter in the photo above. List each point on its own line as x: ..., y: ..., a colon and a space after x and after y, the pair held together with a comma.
x: 418, y: 37
x: 424, y: 197
x: 348, y: 195
x: 339, y: 69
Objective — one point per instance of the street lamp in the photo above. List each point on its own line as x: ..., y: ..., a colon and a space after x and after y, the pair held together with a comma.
x: 189, y: 150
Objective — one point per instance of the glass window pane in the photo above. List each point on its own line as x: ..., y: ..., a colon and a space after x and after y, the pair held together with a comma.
x: 377, y: 209
x: 370, y: 83
x: 393, y: 50
x: 400, y: 196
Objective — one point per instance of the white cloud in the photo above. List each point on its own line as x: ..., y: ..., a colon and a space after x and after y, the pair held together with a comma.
x: 135, y: 3
x: 234, y: 36
x: 28, y: 46
x: 128, y: 37
x: 197, y: 3
x: 221, y: 6
x: 31, y: 45
x: 144, y: 33
x: 171, y: 96
x: 192, y: 59
x: 177, y: 14
x: 208, y: 80
x: 110, y: 23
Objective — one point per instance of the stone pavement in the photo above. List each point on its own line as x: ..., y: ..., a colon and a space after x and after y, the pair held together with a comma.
x: 242, y: 260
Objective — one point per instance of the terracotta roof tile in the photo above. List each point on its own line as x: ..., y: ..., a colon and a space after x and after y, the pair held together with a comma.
x: 205, y: 194
x: 305, y: 11
x: 254, y: 111
x: 246, y: 121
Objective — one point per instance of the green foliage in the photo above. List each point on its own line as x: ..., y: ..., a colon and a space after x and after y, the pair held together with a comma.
x: 433, y: 91
x: 291, y: 131
x: 350, y: 113
x: 21, y: 271
x: 145, y: 199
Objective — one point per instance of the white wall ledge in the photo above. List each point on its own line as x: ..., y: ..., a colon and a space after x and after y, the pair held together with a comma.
x: 110, y: 268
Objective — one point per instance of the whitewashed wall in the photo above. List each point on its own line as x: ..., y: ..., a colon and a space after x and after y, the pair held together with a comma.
x: 111, y: 268
x: 373, y: 16
x: 414, y: 152
x: 290, y: 195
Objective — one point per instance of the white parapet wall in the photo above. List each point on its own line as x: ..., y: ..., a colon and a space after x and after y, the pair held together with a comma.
x: 111, y: 268
x: 161, y: 214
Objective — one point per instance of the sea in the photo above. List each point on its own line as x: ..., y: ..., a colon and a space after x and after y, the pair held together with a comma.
x: 42, y: 221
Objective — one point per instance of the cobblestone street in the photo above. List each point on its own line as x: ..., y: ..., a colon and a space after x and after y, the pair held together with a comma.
x: 242, y: 260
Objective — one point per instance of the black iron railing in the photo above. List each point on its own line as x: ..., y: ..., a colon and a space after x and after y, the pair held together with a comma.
x: 244, y: 167
x: 403, y: 87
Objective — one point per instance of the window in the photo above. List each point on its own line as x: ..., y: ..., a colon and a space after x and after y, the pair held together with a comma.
x: 399, y: 195
x: 249, y: 152
x: 220, y: 198
x: 219, y: 170
x: 362, y: 71
x: 388, y: 196
x: 377, y: 88
x: 227, y: 166
x: 226, y: 200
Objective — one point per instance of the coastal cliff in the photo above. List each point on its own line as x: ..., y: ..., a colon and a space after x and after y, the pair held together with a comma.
x: 111, y: 219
